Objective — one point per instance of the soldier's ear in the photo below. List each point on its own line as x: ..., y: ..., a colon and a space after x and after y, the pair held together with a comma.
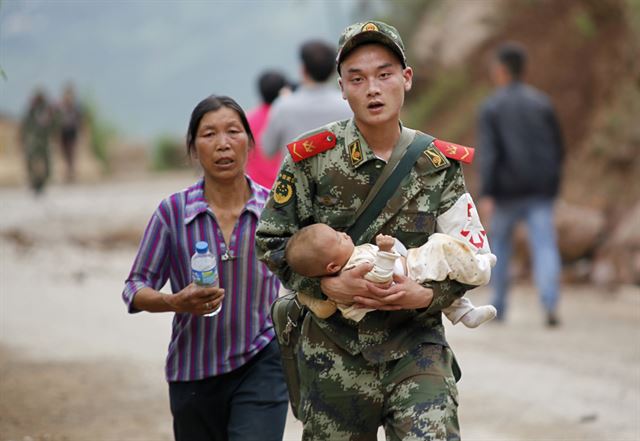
x: 407, y: 74
x: 341, y: 88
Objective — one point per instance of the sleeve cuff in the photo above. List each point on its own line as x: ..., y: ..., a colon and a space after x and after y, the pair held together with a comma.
x: 444, y: 293
x: 130, y: 290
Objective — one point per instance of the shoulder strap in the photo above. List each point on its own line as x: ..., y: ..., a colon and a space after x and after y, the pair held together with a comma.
x: 407, y: 136
x: 387, y: 184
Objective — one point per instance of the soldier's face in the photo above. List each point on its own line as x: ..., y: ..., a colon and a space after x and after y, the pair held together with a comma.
x: 374, y: 83
x: 221, y: 144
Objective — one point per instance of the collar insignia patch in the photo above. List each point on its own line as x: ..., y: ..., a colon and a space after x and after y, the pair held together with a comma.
x: 355, y: 151
x: 436, y: 158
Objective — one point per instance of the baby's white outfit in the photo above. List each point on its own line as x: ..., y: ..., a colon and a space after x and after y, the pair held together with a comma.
x: 460, y: 251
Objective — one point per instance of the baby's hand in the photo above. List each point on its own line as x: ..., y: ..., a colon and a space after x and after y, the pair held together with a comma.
x: 384, y: 242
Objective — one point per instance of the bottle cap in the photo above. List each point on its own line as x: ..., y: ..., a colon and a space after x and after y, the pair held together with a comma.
x: 202, y: 247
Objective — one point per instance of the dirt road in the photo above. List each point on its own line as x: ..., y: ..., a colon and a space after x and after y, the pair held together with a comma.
x: 75, y: 366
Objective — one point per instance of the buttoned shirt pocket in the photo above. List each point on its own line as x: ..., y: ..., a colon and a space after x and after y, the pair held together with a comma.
x: 412, y: 227
x: 336, y: 217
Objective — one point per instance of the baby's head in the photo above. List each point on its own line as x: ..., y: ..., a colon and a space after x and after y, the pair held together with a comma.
x: 318, y: 250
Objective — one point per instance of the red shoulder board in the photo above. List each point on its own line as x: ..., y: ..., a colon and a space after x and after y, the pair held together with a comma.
x: 455, y: 151
x: 311, y: 146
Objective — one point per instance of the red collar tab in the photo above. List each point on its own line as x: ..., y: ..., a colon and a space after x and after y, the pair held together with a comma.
x: 455, y: 151
x: 312, y: 145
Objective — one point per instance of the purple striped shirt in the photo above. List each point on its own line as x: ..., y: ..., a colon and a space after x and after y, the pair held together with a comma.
x: 202, y: 347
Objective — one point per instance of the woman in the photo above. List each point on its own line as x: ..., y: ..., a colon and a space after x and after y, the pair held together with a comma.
x: 224, y: 372
x: 70, y: 120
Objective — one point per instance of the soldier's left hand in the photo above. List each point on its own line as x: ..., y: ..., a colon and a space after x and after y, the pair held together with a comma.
x: 403, y: 294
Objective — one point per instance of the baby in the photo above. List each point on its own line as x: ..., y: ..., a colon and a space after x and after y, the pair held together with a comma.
x: 318, y: 250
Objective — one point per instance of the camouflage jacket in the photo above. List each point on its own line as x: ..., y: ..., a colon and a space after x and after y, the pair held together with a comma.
x: 329, y: 187
x: 36, y: 128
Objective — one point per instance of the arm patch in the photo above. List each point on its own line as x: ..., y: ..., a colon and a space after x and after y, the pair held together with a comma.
x: 312, y: 145
x: 455, y: 151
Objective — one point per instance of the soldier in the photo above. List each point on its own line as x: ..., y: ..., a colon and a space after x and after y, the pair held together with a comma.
x: 394, y: 367
x: 35, y: 132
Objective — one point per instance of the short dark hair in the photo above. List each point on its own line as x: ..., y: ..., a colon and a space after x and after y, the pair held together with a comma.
x: 270, y: 83
x: 211, y: 104
x: 301, y: 252
x: 513, y: 56
x: 319, y: 59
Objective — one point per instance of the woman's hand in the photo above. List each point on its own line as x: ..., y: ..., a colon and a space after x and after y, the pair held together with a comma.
x: 403, y: 294
x: 196, y: 299
x: 343, y: 287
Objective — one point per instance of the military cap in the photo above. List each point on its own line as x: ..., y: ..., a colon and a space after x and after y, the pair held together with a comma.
x: 370, y: 32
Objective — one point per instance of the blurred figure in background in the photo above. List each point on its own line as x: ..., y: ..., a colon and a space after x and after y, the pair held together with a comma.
x: 224, y: 372
x: 70, y: 122
x: 262, y: 169
x: 35, y: 132
x: 316, y: 102
x: 520, y: 153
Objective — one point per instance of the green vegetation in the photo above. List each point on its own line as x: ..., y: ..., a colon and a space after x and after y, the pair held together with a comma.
x: 3, y: 75
x: 169, y: 153
x: 585, y: 24
x: 406, y: 14
x: 101, y: 133
x: 451, y: 101
x: 617, y: 137
x: 446, y: 87
x: 466, y: 113
x: 633, y: 8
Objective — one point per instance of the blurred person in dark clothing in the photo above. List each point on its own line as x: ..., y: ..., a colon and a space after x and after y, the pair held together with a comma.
x: 35, y: 132
x: 521, y: 154
x: 70, y: 121
x: 261, y: 168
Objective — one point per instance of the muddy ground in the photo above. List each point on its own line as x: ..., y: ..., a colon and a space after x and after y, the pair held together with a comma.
x: 75, y: 366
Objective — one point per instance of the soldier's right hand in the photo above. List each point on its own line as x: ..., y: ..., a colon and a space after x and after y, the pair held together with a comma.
x: 199, y: 300
x: 343, y: 287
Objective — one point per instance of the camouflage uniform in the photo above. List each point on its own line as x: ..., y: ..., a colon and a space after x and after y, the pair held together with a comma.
x: 392, y: 368
x: 35, y: 131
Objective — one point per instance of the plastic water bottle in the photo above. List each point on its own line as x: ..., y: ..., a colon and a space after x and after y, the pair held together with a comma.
x: 204, y: 271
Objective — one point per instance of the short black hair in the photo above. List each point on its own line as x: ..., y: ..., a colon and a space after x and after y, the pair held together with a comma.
x: 270, y: 83
x: 513, y: 56
x: 213, y: 103
x: 319, y: 59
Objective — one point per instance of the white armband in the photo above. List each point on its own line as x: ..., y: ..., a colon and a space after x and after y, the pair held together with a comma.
x: 463, y: 222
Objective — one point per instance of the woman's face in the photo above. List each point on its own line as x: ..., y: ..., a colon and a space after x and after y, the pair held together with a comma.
x: 221, y: 144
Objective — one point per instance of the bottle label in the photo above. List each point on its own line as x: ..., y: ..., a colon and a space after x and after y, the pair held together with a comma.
x: 205, y: 278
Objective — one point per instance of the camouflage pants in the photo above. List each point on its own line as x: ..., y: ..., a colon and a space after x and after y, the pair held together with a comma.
x: 38, y: 166
x: 345, y: 397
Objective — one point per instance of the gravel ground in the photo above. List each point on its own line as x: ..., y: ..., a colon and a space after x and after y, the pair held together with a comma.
x: 75, y: 366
